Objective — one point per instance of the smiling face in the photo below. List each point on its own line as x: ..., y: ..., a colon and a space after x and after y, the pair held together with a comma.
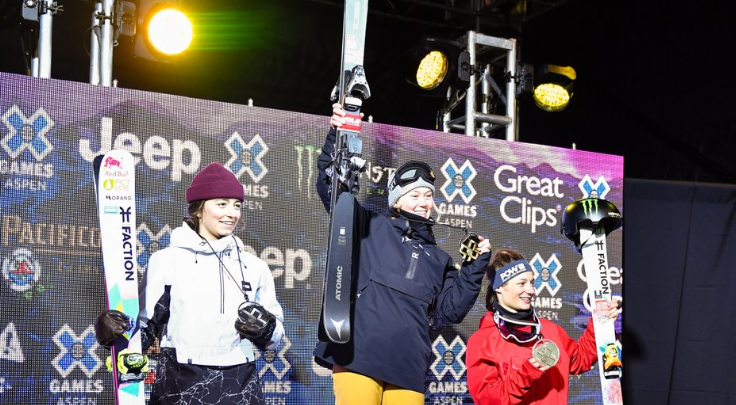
x: 419, y: 201
x: 218, y: 217
x: 517, y: 293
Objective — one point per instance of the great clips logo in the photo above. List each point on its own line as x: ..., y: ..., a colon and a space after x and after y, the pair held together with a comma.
x: 517, y: 207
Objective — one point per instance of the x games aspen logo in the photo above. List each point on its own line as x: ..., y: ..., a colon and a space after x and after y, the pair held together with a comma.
x: 27, y: 133
x: 149, y: 243
x: 545, y: 273
x: 246, y: 157
x: 76, y: 351
x: 599, y: 189
x: 458, y: 181
x: 448, y: 358
x: 274, y: 360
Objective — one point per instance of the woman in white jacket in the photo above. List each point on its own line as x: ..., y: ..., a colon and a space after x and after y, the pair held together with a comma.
x: 209, y: 301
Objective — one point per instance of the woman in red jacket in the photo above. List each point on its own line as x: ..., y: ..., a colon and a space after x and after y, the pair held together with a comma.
x: 502, y: 368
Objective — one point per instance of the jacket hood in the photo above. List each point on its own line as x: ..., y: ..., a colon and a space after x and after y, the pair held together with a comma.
x: 487, y: 321
x: 412, y: 225
x: 184, y: 237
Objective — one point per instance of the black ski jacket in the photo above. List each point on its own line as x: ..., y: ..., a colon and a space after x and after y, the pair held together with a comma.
x: 401, y: 276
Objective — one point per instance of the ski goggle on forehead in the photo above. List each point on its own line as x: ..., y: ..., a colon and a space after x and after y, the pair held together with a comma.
x: 520, y: 331
x: 411, y: 172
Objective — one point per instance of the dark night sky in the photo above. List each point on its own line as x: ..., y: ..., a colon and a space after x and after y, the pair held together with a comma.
x: 652, y: 84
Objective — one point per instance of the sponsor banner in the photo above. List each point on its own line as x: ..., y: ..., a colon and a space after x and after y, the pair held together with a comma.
x: 51, y: 282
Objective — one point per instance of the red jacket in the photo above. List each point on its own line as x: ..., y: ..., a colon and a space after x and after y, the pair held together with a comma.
x: 499, y: 371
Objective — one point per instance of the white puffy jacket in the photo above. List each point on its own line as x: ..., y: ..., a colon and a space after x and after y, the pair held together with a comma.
x: 204, y: 297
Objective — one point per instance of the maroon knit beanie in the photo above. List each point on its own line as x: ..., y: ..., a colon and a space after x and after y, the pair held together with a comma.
x: 215, y: 181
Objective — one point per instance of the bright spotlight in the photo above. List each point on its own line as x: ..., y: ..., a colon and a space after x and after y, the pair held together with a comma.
x: 169, y: 31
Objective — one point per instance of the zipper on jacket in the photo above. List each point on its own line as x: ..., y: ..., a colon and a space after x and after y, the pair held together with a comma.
x: 222, y: 288
x: 411, y: 271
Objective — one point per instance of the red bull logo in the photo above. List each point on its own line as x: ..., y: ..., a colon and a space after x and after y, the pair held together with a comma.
x: 111, y: 162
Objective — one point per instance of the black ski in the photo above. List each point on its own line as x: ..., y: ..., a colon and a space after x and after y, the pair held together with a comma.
x: 350, y: 91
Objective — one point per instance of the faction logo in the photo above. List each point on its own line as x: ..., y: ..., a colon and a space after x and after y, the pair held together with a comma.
x: 545, y: 273
x: 149, y: 243
x: 599, y: 189
x: 21, y: 271
x: 76, y: 351
x: 458, y: 181
x: 246, y: 157
x: 27, y: 133
x: 448, y: 358
x: 10, y: 349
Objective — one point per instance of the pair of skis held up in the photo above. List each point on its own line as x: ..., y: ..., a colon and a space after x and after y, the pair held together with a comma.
x: 347, y: 164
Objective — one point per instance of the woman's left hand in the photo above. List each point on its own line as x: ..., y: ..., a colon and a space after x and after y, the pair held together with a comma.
x: 484, y: 246
x: 615, y: 307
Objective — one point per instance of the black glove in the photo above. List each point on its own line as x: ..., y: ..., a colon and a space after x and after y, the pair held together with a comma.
x: 255, y: 323
x: 110, y: 325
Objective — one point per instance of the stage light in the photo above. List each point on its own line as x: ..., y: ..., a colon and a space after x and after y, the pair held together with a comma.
x: 169, y: 31
x: 432, y: 70
x: 553, y: 87
x: 164, y: 30
x: 435, y: 64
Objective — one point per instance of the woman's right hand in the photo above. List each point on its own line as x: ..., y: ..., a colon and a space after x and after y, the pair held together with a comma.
x: 537, y: 364
x: 338, y: 116
x: 110, y: 325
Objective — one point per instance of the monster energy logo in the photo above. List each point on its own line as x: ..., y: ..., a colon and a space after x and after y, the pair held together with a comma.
x: 590, y: 206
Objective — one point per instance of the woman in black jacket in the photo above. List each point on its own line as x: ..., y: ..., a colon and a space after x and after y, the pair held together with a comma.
x: 401, y: 275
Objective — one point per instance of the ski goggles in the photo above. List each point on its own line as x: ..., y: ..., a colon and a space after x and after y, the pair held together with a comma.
x: 520, y: 331
x: 410, y: 172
